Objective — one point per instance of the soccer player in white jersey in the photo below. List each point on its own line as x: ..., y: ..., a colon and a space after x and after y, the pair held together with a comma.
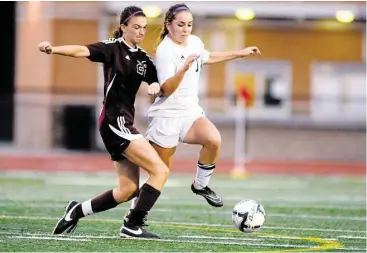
x: 176, y: 116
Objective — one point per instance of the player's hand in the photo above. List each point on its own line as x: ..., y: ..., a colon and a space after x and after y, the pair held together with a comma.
x: 45, y: 47
x: 249, y: 51
x: 154, y: 89
x: 190, y: 60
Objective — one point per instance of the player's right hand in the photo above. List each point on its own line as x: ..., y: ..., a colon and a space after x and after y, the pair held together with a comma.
x: 190, y: 60
x: 45, y: 47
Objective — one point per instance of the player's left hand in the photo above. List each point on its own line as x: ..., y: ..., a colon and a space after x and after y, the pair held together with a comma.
x: 249, y: 51
x: 154, y: 89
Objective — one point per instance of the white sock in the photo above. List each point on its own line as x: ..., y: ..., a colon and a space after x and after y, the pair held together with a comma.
x: 203, y: 175
x: 87, y: 207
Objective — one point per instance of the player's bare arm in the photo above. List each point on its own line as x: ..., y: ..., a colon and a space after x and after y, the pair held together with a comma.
x: 68, y: 50
x: 217, y: 57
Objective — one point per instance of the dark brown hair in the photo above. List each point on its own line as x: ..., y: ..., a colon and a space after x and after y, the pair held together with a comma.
x: 125, y: 16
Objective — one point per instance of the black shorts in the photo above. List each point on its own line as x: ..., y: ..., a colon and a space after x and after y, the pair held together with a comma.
x: 117, y: 135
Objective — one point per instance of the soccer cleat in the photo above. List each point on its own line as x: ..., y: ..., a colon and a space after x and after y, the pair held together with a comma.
x: 68, y: 221
x: 211, y: 197
x: 134, y: 226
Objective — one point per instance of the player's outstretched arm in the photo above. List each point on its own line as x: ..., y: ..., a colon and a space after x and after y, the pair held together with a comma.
x: 69, y: 50
x: 217, y: 57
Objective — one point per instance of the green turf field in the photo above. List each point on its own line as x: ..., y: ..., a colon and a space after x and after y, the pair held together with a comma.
x: 304, y: 214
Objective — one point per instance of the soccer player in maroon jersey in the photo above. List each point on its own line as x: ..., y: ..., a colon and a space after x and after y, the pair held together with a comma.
x: 125, y: 66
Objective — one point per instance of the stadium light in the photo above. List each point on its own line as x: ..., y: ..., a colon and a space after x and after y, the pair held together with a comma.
x: 344, y: 16
x: 245, y: 14
x: 152, y: 11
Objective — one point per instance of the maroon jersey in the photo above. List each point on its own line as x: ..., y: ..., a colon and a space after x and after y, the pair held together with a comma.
x: 125, y: 68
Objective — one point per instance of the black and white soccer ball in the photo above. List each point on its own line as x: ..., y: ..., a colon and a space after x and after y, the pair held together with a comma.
x: 248, y: 216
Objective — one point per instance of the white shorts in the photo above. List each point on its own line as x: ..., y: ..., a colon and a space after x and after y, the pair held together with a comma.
x: 168, y: 132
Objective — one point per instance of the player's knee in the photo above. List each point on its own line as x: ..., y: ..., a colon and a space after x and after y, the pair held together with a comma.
x: 126, y: 191
x: 214, y: 142
x: 133, y: 195
x: 160, y: 170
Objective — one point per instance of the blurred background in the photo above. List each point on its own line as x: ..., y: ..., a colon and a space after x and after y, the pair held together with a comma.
x: 305, y: 96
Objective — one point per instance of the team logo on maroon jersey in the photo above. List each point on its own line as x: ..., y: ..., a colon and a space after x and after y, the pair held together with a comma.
x: 141, y: 68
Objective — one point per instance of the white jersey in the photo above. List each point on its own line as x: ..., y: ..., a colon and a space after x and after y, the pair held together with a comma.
x: 170, y: 58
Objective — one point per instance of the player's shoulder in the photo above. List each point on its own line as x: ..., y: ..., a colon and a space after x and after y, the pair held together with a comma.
x: 111, y: 41
x: 164, y: 45
x: 164, y: 48
x: 145, y: 53
x: 194, y: 39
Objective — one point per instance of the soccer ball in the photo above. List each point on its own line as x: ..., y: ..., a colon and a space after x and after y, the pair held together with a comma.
x: 248, y: 216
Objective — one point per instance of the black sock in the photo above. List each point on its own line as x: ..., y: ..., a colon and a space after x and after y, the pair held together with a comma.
x: 147, y: 197
x: 101, y: 203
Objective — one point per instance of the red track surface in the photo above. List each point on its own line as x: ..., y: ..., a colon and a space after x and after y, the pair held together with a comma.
x: 101, y: 163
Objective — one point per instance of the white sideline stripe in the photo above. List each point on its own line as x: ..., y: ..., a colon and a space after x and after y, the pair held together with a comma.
x: 299, y: 216
x: 217, y: 238
x: 353, y: 249
x: 49, y: 238
x: 291, y: 237
x: 62, y: 236
x: 315, y: 229
x: 249, y: 239
x: 86, y: 238
x: 352, y: 237
x: 187, y: 224
x: 41, y: 236
x: 80, y: 238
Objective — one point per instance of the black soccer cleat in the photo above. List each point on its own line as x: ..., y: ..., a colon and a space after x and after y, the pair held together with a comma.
x: 211, y: 197
x: 134, y: 226
x: 68, y: 221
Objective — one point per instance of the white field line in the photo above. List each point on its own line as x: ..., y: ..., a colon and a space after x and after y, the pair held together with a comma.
x: 217, y: 238
x: 258, y: 185
x: 353, y: 249
x: 231, y: 242
x: 249, y: 239
x: 47, y: 237
x: 353, y: 237
x: 188, y: 224
x: 281, y: 215
x: 298, y: 216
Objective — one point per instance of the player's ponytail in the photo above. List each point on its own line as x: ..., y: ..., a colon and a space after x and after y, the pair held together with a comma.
x: 117, y: 33
x: 163, y: 34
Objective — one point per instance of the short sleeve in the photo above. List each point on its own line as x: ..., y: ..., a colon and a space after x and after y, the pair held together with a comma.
x: 204, y: 53
x: 165, y: 64
x: 100, y: 51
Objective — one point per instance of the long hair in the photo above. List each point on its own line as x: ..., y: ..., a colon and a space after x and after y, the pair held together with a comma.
x: 124, y: 18
x: 169, y: 17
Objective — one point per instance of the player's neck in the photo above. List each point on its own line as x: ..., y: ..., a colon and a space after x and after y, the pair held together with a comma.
x: 129, y: 43
x: 182, y: 44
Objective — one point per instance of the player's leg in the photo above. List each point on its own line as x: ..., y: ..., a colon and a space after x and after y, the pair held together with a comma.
x: 128, y: 176
x: 141, y: 153
x: 163, y: 140
x: 163, y: 135
x: 128, y: 185
x: 202, y: 131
